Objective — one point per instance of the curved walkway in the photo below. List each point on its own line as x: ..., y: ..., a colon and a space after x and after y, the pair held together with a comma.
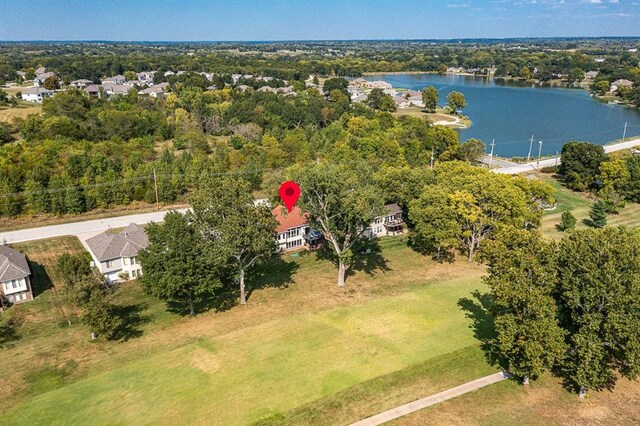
x: 411, y: 407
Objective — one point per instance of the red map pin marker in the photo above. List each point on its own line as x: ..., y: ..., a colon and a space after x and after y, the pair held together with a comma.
x: 289, y: 193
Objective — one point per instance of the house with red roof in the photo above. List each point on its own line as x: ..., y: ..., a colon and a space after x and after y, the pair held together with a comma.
x: 292, y: 228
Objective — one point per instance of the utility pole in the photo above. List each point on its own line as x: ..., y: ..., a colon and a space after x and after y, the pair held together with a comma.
x: 155, y: 183
x: 624, y: 132
x: 539, y: 154
x: 493, y: 144
x: 530, y: 146
x: 432, y: 157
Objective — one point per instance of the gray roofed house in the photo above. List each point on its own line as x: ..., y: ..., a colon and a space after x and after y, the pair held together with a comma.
x: 83, y: 82
x: 40, y: 78
x: 115, y: 254
x: 36, y: 94
x: 389, y: 224
x: 15, y: 285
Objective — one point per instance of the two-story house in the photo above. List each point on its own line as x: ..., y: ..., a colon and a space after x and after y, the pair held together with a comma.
x: 292, y: 228
x: 15, y: 286
x: 115, y: 255
x: 36, y: 94
x: 389, y: 224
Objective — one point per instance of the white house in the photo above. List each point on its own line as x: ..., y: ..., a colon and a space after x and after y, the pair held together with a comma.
x: 156, y: 91
x: 40, y: 78
x: 116, y: 79
x: 389, y: 224
x: 82, y: 83
x: 15, y: 286
x: 401, y: 102
x: 36, y: 94
x: 623, y: 82
x: 115, y: 254
x: 292, y: 228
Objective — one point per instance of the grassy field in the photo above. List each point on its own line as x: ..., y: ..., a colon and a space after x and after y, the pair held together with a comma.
x: 579, y: 204
x: 8, y: 114
x: 544, y: 402
x: 300, y: 341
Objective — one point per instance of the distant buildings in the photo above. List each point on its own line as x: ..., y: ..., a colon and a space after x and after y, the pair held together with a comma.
x: 621, y: 83
x: 36, y: 94
x: 15, y: 286
x: 115, y: 255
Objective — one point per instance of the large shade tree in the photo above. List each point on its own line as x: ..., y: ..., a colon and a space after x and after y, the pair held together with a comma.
x: 599, y: 291
x: 466, y: 205
x: 238, y: 233
x: 342, y: 201
x: 175, y: 269
x: 522, y: 278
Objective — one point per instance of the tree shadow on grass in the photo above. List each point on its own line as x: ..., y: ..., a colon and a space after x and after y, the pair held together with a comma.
x: 367, y: 257
x: 275, y: 273
x: 40, y: 281
x: 478, y: 310
x: 8, y: 333
x: 132, y: 320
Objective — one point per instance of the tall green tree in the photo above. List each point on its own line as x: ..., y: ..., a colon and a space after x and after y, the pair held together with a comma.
x: 456, y: 101
x: 598, y: 214
x: 342, y: 201
x: 466, y: 205
x: 238, y: 234
x: 599, y: 291
x: 175, y: 267
x: 430, y: 97
x: 580, y: 164
x: 522, y: 278
x: 94, y: 298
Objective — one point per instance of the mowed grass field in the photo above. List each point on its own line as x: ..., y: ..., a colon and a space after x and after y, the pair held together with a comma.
x: 8, y: 114
x: 579, y: 204
x: 299, y: 342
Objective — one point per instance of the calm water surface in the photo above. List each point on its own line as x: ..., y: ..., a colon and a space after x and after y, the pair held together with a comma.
x: 510, y: 115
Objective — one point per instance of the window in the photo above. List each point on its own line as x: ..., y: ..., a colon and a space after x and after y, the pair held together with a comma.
x: 134, y: 261
x: 377, y: 220
x: 109, y: 263
x: 293, y: 232
x: 14, y: 283
x: 126, y: 261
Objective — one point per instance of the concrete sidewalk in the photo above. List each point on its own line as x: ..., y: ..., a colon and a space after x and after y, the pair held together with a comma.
x: 411, y: 407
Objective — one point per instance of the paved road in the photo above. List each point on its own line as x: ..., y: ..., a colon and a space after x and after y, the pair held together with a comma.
x: 411, y: 407
x: 80, y: 229
x: 533, y: 165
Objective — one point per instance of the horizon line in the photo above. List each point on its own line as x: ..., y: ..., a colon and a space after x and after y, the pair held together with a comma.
x: 323, y: 40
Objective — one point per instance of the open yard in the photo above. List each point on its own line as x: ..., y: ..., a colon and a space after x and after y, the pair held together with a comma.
x: 302, y: 352
x: 579, y: 204
x: 300, y: 341
x: 8, y: 114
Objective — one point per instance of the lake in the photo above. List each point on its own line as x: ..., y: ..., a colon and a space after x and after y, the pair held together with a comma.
x: 511, y: 114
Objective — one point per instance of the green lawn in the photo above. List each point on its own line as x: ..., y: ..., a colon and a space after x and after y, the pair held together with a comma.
x: 297, y: 344
x: 579, y: 204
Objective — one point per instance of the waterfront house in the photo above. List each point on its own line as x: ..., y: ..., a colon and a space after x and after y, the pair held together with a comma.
x: 115, y: 255
x: 36, y: 94
x: 15, y: 286
x: 590, y: 75
x: 401, y: 102
x: 292, y: 228
x: 623, y: 82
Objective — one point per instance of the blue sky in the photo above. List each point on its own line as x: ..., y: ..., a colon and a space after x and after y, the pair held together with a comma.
x: 313, y: 20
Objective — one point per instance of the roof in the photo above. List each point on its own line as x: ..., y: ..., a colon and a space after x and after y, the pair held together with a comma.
x: 82, y: 81
x: 113, y: 246
x: 289, y: 220
x: 92, y: 88
x: 393, y: 208
x: 35, y: 91
x: 623, y: 82
x: 13, y: 264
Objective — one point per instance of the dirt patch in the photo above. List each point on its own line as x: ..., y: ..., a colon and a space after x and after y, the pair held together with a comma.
x: 205, y: 361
